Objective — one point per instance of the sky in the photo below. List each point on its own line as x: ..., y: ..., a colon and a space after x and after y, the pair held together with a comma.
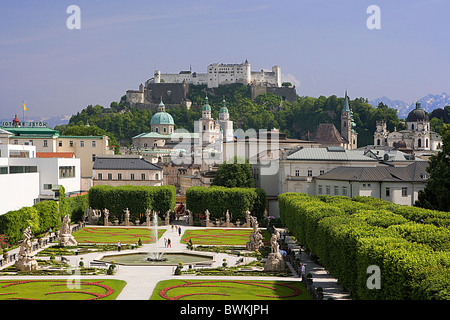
x: 322, y: 46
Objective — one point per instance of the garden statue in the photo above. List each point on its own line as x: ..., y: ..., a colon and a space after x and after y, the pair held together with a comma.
x: 247, y: 219
x: 25, y: 261
x: 275, y: 260
x: 256, y: 237
x: 147, y: 217
x: 167, y: 218
x: 65, y: 238
x: 208, y: 224
x: 227, y: 217
x: 106, y: 216
x: 127, y: 217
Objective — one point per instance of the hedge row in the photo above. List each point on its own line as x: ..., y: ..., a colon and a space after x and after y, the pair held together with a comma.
x: 220, y: 199
x: 349, y: 235
x: 136, y: 198
x: 42, y: 216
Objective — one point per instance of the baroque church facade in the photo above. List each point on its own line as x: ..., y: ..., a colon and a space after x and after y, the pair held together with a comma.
x: 416, y: 137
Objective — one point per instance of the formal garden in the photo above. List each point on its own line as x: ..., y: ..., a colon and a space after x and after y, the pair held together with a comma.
x: 344, y: 236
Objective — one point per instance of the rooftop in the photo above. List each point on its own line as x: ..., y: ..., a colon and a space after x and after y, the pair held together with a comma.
x: 328, y: 154
x: 415, y: 172
x: 123, y: 163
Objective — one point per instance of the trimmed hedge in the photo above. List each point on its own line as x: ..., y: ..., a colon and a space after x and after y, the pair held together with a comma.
x: 349, y: 235
x: 40, y: 218
x: 220, y: 199
x: 136, y: 198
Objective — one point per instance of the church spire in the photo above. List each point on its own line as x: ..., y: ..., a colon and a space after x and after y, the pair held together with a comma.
x: 346, y: 104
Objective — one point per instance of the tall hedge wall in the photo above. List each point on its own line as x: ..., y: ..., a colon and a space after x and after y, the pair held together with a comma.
x: 220, y: 199
x: 349, y: 235
x: 42, y: 216
x: 136, y: 198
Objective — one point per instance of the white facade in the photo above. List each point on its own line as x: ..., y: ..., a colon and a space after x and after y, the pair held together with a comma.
x: 25, y: 179
x: 222, y: 74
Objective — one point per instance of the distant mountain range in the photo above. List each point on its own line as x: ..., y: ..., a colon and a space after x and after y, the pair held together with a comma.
x: 428, y: 103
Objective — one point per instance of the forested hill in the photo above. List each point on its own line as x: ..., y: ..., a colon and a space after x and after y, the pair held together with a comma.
x: 298, y: 119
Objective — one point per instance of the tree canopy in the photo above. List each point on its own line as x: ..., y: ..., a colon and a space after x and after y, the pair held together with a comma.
x: 235, y: 173
x: 437, y: 191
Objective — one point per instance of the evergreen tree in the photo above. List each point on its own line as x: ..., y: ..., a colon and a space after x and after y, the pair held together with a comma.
x: 234, y: 174
x: 437, y: 191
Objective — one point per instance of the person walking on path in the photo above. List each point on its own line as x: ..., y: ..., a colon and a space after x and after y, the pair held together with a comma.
x: 169, y: 245
x: 118, y: 246
x: 179, y: 231
x: 165, y: 243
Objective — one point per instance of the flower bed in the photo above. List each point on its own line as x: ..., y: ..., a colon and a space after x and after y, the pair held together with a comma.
x: 40, y: 289
x: 232, y: 289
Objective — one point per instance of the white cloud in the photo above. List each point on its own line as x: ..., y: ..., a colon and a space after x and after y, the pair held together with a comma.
x: 290, y: 78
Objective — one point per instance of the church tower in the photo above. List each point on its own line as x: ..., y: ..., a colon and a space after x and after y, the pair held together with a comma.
x: 206, y: 124
x: 348, y: 125
x: 225, y: 123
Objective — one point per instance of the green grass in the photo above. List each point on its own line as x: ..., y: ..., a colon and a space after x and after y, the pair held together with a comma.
x: 229, y: 290
x: 234, y: 237
x: 60, y: 289
x: 114, y: 235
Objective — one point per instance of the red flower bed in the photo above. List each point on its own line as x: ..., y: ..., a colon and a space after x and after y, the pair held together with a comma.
x: 163, y: 292
x: 108, y: 289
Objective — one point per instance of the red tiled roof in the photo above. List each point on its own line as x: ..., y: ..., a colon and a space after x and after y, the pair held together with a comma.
x: 54, y: 155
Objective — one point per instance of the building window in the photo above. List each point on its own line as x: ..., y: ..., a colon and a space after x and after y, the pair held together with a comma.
x: 45, y: 143
x: 336, y: 190
x: 142, y: 176
x: 404, y: 191
x: 119, y: 176
x: 100, y: 176
x: 109, y: 176
x: 82, y: 144
x: 59, y: 143
x: 320, y: 189
x: 67, y: 172
x: 16, y: 142
x: 309, y: 173
x: 388, y: 192
x: 157, y: 176
x: 322, y: 172
x: 71, y: 143
x: 48, y: 186
x: 344, y: 191
x: 132, y: 176
x: 297, y: 173
x: 93, y: 157
x: 94, y: 144
x: 328, y: 190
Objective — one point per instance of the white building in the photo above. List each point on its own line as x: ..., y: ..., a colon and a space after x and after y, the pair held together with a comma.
x: 25, y: 179
x: 222, y: 74
x: 400, y: 185
x: 417, y: 136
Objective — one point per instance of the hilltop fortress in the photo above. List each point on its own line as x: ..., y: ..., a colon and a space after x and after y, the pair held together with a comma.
x: 174, y: 88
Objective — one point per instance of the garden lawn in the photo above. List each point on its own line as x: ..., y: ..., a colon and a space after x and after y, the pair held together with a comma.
x: 229, y: 290
x: 236, y: 237
x: 114, y: 235
x: 60, y: 289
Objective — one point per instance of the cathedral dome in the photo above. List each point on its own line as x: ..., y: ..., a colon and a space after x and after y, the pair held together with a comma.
x: 418, y: 114
x: 162, y: 118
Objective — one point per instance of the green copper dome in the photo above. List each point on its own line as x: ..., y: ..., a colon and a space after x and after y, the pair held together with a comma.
x: 224, y: 108
x: 206, y: 106
x: 162, y: 118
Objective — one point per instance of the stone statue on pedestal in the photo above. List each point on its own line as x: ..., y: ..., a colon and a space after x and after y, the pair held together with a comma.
x: 65, y: 237
x: 275, y: 261
x: 256, y: 237
x: 25, y: 261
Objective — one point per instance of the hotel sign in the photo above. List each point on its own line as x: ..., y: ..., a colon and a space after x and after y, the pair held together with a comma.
x: 31, y: 124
